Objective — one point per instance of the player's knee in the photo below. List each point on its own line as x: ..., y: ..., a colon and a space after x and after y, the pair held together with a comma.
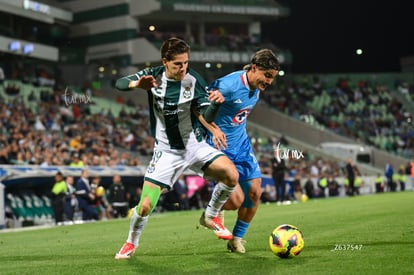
x: 229, y: 205
x: 145, y: 207
x: 149, y: 198
x: 235, y: 201
x: 232, y: 176
x: 255, y: 195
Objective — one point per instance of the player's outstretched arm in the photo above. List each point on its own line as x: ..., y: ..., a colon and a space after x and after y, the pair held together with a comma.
x: 132, y: 82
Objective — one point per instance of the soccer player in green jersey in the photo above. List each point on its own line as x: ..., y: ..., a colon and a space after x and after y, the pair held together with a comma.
x: 175, y: 91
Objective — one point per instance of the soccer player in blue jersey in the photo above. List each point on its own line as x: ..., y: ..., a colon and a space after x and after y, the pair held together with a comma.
x: 174, y: 91
x: 241, y: 90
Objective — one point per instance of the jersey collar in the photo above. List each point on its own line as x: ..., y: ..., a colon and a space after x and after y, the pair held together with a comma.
x: 243, y: 78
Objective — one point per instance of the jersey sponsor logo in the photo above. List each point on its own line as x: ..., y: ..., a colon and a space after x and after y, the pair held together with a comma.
x: 172, y: 112
x: 241, y: 116
x: 238, y: 101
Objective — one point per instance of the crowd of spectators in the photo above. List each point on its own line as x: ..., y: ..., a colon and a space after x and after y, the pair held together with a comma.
x: 40, y: 128
x: 52, y: 133
x: 362, y: 111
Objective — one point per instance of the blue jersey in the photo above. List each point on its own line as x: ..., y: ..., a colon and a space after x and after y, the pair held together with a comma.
x: 239, y: 101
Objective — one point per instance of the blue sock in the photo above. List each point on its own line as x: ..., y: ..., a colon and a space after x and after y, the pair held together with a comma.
x: 240, y: 228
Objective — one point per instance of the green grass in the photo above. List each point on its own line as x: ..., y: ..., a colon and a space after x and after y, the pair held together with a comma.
x: 172, y: 243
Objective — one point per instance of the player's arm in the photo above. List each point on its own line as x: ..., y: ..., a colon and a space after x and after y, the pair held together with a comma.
x: 211, y: 111
x: 131, y: 82
x: 219, y: 138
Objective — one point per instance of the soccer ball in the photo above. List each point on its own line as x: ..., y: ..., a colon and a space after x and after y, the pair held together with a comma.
x: 304, y: 198
x: 100, y: 191
x: 286, y: 241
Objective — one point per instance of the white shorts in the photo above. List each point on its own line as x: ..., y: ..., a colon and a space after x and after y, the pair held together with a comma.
x: 167, y: 165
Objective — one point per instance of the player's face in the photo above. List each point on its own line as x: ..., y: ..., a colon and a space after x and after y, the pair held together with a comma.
x: 177, y: 67
x: 260, y: 79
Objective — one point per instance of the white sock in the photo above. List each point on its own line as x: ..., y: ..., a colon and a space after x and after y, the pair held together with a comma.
x: 136, y: 227
x: 220, y: 195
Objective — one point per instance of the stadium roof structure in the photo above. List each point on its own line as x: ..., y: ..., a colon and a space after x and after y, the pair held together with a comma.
x: 122, y: 29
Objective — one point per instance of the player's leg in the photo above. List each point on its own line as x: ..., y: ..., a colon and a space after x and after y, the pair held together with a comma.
x: 235, y: 200
x: 224, y: 171
x: 250, y: 179
x: 252, y: 193
x: 148, y: 201
x: 157, y: 177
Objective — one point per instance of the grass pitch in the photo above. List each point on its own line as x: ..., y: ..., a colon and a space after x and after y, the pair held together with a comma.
x: 359, y: 235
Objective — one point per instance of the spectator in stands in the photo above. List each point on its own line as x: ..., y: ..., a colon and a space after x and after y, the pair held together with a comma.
x: 59, y: 191
x: 46, y: 160
x: 12, y: 90
x: 76, y: 143
x: 76, y: 161
x: 71, y: 202
x: 4, y: 152
x: 86, y: 197
x: 283, y: 140
x: 117, y: 198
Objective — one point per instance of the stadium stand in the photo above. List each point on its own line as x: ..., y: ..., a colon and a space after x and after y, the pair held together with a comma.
x: 365, y: 111
x: 58, y: 101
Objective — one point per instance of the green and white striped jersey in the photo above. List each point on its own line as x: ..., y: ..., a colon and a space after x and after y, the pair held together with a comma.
x: 173, y: 123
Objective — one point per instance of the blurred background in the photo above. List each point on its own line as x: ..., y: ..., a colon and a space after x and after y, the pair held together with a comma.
x: 344, y: 91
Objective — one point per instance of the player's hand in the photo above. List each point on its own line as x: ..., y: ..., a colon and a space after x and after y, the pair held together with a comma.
x: 145, y: 82
x: 216, y: 97
x: 219, y: 138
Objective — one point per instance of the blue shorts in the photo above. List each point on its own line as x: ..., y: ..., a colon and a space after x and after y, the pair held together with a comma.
x: 245, y: 161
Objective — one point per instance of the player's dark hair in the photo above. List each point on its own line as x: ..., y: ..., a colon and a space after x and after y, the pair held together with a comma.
x: 172, y: 47
x: 264, y: 59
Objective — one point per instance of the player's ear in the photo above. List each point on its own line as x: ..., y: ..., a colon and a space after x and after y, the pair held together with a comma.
x: 253, y: 68
x: 164, y: 61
